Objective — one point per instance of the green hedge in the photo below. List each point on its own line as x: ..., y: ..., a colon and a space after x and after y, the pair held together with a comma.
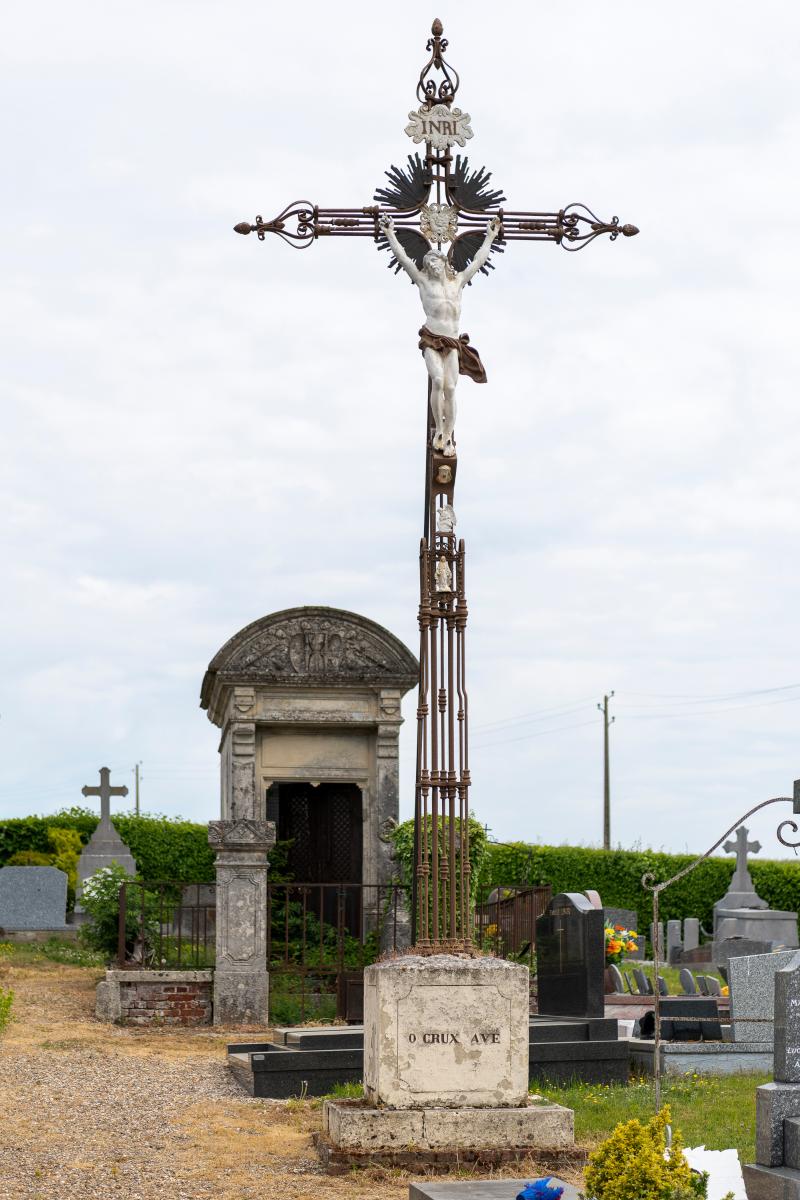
x: 164, y: 847
x: 617, y: 876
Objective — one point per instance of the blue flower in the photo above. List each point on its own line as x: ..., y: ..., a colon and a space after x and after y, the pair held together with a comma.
x: 540, y: 1190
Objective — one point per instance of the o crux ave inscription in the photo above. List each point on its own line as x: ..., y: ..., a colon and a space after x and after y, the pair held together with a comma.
x: 433, y: 201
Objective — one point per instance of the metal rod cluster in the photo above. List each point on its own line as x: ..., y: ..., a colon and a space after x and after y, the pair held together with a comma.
x: 443, y: 911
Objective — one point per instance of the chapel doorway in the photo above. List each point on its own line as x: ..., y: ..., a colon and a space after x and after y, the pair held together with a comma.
x: 325, y: 826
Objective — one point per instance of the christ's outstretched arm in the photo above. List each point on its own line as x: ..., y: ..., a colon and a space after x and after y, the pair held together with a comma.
x: 480, y: 258
x: 408, y: 264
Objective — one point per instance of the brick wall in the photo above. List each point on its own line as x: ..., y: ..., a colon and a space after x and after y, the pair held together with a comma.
x: 156, y: 997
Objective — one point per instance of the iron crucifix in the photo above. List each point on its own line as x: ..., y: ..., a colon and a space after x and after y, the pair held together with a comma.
x: 105, y: 791
x: 436, y: 201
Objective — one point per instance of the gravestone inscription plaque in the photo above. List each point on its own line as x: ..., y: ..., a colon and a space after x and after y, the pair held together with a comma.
x: 570, y: 954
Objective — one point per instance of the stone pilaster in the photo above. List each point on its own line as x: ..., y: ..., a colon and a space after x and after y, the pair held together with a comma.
x: 241, y: 980
x: 387, y: 780
x: 240, y: 801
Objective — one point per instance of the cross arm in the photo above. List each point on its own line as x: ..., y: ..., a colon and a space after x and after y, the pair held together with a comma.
x: 302, y: 223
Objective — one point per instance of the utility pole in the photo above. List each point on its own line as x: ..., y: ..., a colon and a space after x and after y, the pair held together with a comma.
x: 606, y: 781
x: 136, y: 773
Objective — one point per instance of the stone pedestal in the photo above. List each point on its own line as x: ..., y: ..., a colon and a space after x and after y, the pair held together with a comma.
x: 446, y: 1031
x: 445, y: 1066
x: 241, y: 981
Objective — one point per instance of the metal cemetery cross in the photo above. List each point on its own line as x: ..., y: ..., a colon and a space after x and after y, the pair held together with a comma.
x: 437, y: 200
x: 105, y: 791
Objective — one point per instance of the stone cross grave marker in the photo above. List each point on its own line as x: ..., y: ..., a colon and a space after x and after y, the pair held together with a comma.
x: 105, y: 845
x: 741, y: 885
x: 105, y: 791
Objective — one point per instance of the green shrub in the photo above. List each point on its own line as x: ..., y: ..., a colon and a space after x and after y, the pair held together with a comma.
x: 403, y: 843
x: 617, y: 876
x: 633, y: 1163
x: 164, y: 847
x: 64, y: 851
x: 6, y: 1001
x: 100, y: 899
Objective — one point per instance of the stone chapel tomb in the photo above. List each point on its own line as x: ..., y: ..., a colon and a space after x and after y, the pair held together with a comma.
x: 308, y: 704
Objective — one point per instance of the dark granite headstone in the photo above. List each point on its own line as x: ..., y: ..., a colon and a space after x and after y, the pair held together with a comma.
x: 570, y: 956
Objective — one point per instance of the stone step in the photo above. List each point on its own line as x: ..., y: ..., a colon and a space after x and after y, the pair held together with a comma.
x: 771, y: 1183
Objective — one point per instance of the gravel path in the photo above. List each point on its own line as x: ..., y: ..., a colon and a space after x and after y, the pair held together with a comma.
x: 91, y: 1110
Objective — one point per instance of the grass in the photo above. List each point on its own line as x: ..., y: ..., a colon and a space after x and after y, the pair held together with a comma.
x: 717, y: 1112
x: 71, y: 954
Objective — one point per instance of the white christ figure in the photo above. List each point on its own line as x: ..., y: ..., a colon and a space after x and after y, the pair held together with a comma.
x: 446, y: 352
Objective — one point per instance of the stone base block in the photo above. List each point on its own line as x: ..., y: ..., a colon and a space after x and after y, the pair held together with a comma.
x: 241, y: 998
x: 774, y: 1103
x: 354, y: 1125
x: 446, y: 1031
x: 771, y: 1183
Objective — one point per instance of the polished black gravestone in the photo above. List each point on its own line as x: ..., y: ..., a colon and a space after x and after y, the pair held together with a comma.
x: 570, y: 957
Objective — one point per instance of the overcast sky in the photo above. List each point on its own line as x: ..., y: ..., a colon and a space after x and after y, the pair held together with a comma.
x: 199, y: 429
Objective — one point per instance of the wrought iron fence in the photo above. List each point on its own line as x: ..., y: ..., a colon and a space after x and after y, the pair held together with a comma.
x: 166, y: 925
x: 505, y: 920
x: 320, y: 936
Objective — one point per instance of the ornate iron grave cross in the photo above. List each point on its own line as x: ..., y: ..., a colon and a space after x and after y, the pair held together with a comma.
x: 437, y: 200
x: 105, y: 791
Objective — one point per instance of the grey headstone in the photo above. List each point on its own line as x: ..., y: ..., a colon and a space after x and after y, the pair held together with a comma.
x: 657, y: 939
x: 642, y: 982
x: 691, y: 933
x: 628, y: 984
x: 752, y: 984
x: 736, y: 947
x: 616, y: 975
x: 593, y: 897
x: 687, y: 982
x: 787, y: 1024
x: 33, y: 898
x: 663, y: 990
x: 713, y: 984
x: 702, y: 985
x: 674, y: 940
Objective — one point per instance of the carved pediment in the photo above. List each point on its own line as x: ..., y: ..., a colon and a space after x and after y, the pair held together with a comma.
x: 314, y: 647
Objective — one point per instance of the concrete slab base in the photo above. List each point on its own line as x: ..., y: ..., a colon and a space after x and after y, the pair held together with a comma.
x: 771, y: 1183
x: 707, y: 1058
x: 481, y: 1189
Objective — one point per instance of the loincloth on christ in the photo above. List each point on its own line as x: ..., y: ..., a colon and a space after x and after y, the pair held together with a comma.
x: 469, y: 361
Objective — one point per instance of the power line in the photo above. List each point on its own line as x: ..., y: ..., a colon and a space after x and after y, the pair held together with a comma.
x: 527, y: 736
x: 538, y: 714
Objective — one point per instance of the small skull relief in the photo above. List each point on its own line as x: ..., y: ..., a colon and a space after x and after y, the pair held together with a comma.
x: 439, y: 222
